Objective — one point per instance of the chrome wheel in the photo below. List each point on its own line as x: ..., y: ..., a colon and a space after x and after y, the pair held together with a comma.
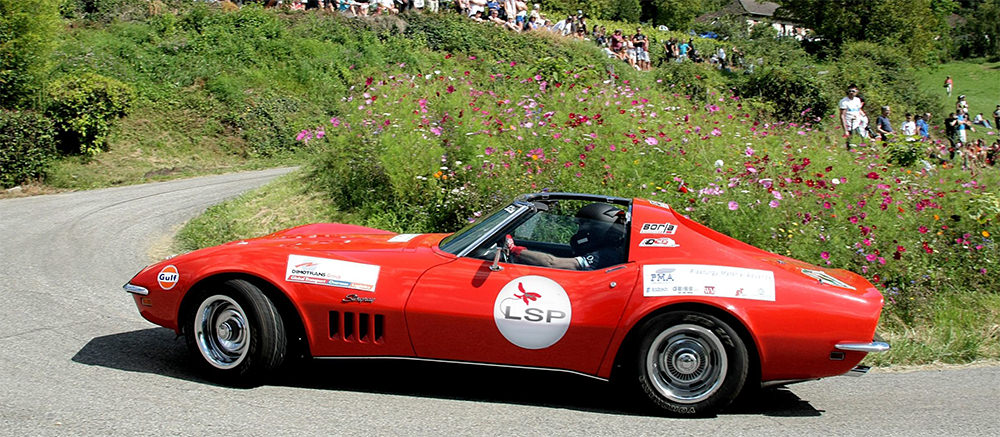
x: 221, y: 331
x: 686, y: 363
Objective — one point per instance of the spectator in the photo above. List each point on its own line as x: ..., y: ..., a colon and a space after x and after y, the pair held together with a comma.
x: 962, y: 125
x: 947, y: 85
x: 961, y: 104
x: 618, y: 44
x: 922, y: 127
x: 951, y: 130
x: 850, y: 114
x: 630, y: 54
x: 883, y: 126
x: 477, y: 6
x: 682, y: 51
x: 641, y: 43
x: 562, y: 27
x: 521, y: 13
x: 996, y: 117
x: 909, y: 127
x: 981, y: 121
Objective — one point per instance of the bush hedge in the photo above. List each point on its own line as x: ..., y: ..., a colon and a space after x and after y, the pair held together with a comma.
x: 27, y: 146
x: 84, y: 106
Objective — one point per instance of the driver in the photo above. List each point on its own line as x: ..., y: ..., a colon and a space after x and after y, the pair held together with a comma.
x: 596, y: 244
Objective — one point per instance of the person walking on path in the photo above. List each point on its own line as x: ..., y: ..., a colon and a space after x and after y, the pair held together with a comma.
x: 850, y: 114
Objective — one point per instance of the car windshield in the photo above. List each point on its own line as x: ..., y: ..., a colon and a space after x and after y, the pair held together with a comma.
x: 458, y: 241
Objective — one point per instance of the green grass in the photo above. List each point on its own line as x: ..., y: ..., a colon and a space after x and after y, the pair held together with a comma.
x: 155, y: 144
x: 289, y: 201
x: 958, y: 327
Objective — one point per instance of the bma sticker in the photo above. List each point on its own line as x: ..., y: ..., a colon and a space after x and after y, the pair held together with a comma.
x: 707, y: 280
x: 532, y: 312
x: 168, y: 277
x: 658, y: 228
x: 825, y: 278
x: 331, y: 273
x: 658, y: 242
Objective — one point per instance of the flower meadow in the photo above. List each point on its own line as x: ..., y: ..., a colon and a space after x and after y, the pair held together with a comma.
x: 432, y: 150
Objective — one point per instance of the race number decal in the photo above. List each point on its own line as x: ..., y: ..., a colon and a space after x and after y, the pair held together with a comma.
x: 707, y: 281
x: 532, y: 312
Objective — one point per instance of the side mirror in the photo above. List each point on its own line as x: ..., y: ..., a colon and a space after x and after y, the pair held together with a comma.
x: 495, y: 267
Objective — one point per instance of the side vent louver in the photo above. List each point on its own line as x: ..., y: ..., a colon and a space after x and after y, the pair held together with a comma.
x: 357, y: 327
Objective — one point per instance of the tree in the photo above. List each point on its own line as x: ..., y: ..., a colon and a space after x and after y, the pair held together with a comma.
x: 676, y: 14
x: 27, y: 30
x: 627, y: 10
x: 980, y: 36
x: 912, y: 25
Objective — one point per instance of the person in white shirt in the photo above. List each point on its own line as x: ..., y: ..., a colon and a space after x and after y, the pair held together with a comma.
x: 850, y: 114
x: 909, y: 127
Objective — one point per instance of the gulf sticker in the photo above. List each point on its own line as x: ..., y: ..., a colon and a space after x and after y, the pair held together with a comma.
x: 532, y: 312
x: 168, y: 277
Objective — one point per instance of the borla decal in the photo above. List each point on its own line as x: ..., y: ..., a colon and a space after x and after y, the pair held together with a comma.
x: 658, y: 242
x: 331, y: 272
x: 658, y: 228
x: 532, y: 312
x: 825, y: 278
x: 707, y: 280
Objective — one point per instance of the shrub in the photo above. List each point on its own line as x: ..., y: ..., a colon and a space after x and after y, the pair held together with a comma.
x: 688, y: 78
x: 904, y: 154
x: 84, y: 107
x: 26, y: 38
x: 794, y: 90
x: 27, y: 144
x: 266, y: 123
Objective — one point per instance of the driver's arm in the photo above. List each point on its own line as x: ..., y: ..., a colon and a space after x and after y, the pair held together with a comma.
x: 543, y: 259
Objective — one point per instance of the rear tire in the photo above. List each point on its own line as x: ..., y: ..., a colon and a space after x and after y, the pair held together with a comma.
x: 690, y: 364
x: 236, y: 332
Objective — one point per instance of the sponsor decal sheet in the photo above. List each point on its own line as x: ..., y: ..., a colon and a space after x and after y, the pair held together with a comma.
x: 331, y: 272
x: 707, y: 280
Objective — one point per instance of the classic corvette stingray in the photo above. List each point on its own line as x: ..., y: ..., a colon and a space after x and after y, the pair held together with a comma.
x: 606, y: 287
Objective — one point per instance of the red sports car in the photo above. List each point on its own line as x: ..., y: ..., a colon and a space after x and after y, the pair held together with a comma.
x: 600, y: 286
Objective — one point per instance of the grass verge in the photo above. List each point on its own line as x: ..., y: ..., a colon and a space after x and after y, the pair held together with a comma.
x: 960, y: 328
x: 289, y: 201
x: 154, y: 144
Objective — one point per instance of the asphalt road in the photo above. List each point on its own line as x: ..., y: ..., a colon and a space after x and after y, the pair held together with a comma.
x: 76, y: 358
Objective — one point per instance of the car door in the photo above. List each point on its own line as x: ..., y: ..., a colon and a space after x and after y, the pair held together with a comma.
x: 518, y: 314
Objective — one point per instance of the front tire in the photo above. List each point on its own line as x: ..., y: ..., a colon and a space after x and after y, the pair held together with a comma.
x: 691, y: 364
x: 237, y: 332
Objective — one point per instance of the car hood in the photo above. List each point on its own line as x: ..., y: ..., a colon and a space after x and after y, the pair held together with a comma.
x: 342, y: 237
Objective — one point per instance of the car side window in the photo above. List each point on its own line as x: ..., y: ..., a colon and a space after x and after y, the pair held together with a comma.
x: 545, y: 227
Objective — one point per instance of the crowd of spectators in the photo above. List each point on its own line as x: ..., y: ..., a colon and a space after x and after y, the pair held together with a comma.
x: 956, y: 149
x: 519, y: 16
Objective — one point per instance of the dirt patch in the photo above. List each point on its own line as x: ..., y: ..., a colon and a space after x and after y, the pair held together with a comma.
x: 164, y: 172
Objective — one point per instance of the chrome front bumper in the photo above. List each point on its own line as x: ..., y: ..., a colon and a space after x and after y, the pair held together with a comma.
x: 873, y: 347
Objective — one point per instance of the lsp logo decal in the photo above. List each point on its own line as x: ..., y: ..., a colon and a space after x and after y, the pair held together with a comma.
x: 532, y: 312
x: 167, y: 278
